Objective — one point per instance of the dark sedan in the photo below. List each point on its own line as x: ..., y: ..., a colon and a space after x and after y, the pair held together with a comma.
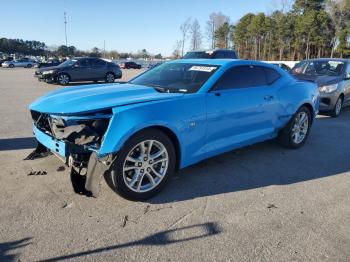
x: 80, y: 69
x: 53, y: 62
x: 130, y: 65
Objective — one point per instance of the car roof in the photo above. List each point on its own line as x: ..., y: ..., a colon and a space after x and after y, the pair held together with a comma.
x: 85, y: 57
x: 327, y: 59
x: 220, y: 62
x: 211, y: 50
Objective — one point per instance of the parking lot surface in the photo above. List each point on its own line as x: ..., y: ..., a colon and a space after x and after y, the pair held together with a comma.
x: 260, y: 203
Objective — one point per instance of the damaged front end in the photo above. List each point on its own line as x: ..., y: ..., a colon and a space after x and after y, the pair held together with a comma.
x: 75, y: 139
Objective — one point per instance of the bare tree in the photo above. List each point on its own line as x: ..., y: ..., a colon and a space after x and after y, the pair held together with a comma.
x: 177, y: 49
x: 196, y: 35
x: 184, y: 28
x: 216, y: 20
x: 283, y: 6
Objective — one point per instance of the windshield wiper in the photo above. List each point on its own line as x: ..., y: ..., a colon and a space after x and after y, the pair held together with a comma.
x: 159, y: 88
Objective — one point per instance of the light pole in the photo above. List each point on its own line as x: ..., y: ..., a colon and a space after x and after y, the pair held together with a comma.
x: 65, y: 27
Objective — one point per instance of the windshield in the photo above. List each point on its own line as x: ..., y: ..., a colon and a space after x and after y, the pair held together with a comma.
x: 176, y: 77
x: 326, y: 67
x: 68, y: 63
x: 203, y: 54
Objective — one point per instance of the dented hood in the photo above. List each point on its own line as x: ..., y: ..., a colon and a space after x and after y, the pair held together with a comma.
x: 90, y: 98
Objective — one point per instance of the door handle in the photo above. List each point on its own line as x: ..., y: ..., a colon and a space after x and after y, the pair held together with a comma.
x: 268, y: 97
x: 217, y: 94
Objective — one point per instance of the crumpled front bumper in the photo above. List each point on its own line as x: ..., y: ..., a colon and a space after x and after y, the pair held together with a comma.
x: 97, y: 164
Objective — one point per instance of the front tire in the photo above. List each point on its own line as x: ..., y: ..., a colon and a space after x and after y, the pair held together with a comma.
x: 144, y: 165
x: 295, y: 133
x: 63, y: 79
x: 11, y: 66
x: 337, y: 108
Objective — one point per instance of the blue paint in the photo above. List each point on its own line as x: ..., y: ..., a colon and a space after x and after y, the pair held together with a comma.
x: 204, y: 123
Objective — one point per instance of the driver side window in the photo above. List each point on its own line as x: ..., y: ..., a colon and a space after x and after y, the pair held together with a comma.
x: 83, y: 63
x: 242, y: 77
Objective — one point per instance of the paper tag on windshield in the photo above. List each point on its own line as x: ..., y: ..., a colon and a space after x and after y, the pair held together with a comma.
x: 203, y: 68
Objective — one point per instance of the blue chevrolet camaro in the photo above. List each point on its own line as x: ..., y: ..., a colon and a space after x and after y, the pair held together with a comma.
x: 175, y: 115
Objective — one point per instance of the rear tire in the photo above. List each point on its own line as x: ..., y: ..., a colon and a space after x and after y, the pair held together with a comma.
x: 337, y: 108
x: 138, y: 173
x: 295, y: 133
x: 29, y: 66
x: 110, y: 77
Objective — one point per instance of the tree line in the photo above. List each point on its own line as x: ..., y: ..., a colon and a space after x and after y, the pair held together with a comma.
x: 296, y: 30
x: 36, y: 48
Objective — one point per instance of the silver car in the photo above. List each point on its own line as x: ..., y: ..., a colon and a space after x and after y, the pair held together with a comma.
x: 333, y: 79
x: 24, y: 62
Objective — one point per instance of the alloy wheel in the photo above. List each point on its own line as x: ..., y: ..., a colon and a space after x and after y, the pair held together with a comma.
x: 63, y: 79
x: 109, y: 78
x: 300, y: 127
x: 338, y: 106
x: 145, y: 166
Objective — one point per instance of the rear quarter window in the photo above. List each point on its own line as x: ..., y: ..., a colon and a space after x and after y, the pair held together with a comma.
x: 271, y: 75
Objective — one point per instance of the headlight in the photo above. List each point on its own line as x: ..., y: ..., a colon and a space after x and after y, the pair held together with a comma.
x: 328, y: 88
x: 48, y: 72
x: 80, y: 130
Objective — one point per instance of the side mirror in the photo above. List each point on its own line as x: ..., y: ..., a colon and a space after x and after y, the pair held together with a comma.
x: 347, y: 76
x: 76, y: 65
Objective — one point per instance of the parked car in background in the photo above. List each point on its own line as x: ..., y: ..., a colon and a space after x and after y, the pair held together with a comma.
x: 23, y: 62
x: 6, y: 60
x: 212, y: 54
x: 282, y: 66
x: 333, y: 79
x: 130, y: 65
x: 80, y: 69
x: 52, y: 62
x: 170, y: 117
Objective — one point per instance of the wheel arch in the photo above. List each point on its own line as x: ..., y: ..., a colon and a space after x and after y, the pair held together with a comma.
x: 110, y: 72
x: 170, y: 134
x: 63, y: 73
x: 311, y: 109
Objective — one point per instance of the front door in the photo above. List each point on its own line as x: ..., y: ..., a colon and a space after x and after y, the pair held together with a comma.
x: 240, y: 109
x: 81, y: 70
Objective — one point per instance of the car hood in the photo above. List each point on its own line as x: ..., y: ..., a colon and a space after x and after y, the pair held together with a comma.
x: 92, y: 98
x: 320, y: 80
x: 49, y: 68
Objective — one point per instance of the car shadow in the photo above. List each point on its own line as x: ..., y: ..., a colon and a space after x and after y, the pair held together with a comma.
x: 7, y: 247
x: 162, y: 238
x: 345, y: 114
x: 17, y: 143
x: 324, y: 154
